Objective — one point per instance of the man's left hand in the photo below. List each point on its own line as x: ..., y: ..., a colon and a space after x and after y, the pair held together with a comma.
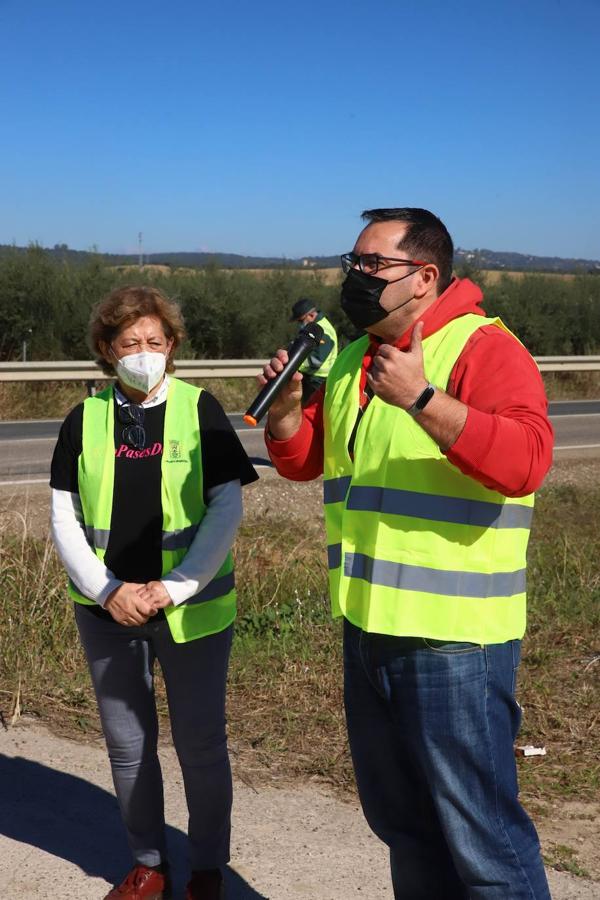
x: 397, y: 376
x: 155, y: 592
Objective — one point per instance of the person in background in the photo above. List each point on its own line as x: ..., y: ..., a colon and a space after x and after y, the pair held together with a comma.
x: 146, y: 501
x: 432, y: 434
x: 317, y: 365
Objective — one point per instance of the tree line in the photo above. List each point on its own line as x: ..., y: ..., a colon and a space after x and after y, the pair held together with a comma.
x: 236, y: 315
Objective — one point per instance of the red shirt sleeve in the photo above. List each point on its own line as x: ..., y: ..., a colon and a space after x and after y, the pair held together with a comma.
x: 507, y: 440
x: 300, y: 458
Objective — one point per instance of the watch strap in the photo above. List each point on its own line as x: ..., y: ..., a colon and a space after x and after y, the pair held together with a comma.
x: 421, y: 401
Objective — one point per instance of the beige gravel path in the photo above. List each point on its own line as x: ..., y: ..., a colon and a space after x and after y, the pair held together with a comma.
x: 61, y: 839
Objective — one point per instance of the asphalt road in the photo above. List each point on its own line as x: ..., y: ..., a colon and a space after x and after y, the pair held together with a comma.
x: 26, y: 447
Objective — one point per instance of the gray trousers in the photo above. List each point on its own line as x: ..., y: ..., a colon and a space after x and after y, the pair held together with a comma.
x: 121, y: 663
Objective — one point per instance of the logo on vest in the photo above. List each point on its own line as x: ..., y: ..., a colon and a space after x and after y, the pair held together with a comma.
x: 155, y: 450
x: 174, y: 452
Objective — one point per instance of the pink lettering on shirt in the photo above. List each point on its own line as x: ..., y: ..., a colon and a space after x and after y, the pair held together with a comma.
x: 129, y: 453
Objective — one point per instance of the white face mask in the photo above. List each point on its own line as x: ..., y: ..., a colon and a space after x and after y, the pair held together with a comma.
x: 141, y: 371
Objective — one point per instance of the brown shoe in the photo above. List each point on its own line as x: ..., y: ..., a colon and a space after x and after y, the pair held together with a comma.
x: 206, y: 884
x: 142, y: 883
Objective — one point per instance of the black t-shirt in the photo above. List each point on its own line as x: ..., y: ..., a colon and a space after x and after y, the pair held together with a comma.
x: 134, y: 551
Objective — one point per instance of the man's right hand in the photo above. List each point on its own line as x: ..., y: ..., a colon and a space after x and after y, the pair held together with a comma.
x: 285, y: 413
x: 127, y: 607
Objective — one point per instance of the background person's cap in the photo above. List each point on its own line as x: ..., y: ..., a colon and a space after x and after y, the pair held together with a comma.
x: 301, y: 307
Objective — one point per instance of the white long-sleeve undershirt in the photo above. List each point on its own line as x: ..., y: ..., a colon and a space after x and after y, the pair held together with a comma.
x: 204, y: 558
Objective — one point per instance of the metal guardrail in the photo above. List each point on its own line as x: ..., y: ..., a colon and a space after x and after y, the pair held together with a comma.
x: 568, y: 363
x: 87, y: 370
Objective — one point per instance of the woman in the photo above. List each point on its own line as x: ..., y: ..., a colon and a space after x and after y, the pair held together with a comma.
x: 146, y: 501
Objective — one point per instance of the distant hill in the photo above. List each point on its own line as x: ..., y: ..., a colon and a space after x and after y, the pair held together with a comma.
x: 493, y: 259
x: 188, y: 260
x: 477, y: 259
x: 520, y: 262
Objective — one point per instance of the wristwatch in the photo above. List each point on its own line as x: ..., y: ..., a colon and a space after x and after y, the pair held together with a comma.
x: 421, y: 401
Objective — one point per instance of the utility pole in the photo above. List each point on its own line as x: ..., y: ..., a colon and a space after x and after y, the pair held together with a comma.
x: 141, y: 254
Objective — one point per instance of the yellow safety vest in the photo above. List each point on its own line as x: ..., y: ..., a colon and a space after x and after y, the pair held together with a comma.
x: 324, y: 370
x: 415, y: 547
x: 183, y: 507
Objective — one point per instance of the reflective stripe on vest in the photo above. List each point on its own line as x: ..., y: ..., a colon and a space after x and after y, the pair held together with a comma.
x: 416, y: 548
x: 213, y: 608
x: 440, y: 509
x: 433, y: 581
x: 325, y: 368
x: 181, y: 539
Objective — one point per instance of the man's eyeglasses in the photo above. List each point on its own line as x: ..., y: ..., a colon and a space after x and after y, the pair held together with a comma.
x: 371, y: 263
x: 132, y: 416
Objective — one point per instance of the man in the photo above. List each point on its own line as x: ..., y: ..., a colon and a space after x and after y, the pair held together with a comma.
x: 317, y: 365
x: 432, y: 434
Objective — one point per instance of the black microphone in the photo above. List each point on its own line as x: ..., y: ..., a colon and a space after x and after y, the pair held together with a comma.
x: 308, y: 338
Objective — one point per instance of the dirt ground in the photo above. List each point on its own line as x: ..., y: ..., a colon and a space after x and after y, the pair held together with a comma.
x: 60, y: 835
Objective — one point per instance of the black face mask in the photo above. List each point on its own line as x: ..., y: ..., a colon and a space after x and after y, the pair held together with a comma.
x: 360, y: 298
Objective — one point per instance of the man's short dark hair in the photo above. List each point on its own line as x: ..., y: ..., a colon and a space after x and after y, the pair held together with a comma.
x: 426, y: 237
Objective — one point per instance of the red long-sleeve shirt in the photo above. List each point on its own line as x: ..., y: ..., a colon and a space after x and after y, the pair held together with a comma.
x: 506, y: 443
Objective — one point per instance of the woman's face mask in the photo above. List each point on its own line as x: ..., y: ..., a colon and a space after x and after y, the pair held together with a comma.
x: 141, y: 371
x: 360, y: 298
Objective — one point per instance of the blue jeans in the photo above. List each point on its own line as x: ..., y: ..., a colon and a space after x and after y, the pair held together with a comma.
x: 431, y: 727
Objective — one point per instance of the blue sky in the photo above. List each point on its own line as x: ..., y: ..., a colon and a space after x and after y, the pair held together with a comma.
x: 265, y: 128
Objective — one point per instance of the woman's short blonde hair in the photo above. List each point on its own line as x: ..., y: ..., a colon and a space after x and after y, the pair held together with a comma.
x: 122, y: 308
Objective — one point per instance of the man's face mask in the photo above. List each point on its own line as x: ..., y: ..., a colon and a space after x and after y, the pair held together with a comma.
x: 360, y: 298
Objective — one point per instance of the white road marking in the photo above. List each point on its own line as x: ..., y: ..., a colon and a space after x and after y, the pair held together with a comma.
x: 20, y: 440
x: 578, y: 447
x: 560, y: 416
x: 26, y: 481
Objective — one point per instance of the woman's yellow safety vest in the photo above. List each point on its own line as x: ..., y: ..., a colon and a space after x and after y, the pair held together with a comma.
x: 415, y: 547
x: 183, y: 507
x: 324, y: 370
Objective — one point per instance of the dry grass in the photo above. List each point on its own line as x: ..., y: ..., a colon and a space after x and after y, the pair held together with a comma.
x: 572, y: 385
x: 285, y: 706
x: 493, y: 276
x: 561, y: 669
x: 53, y: 400
x: 328, y: 276
x: 39, y: 399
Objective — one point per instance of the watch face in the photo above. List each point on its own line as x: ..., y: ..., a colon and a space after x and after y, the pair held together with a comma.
x: 425, y: 397
x: 422, y: 400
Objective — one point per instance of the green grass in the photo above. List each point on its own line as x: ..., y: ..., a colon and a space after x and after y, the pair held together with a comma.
x: 285, y: 697
x: 564, y: 859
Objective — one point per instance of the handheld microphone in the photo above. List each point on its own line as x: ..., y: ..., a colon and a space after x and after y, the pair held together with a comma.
x: 308, y: 338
